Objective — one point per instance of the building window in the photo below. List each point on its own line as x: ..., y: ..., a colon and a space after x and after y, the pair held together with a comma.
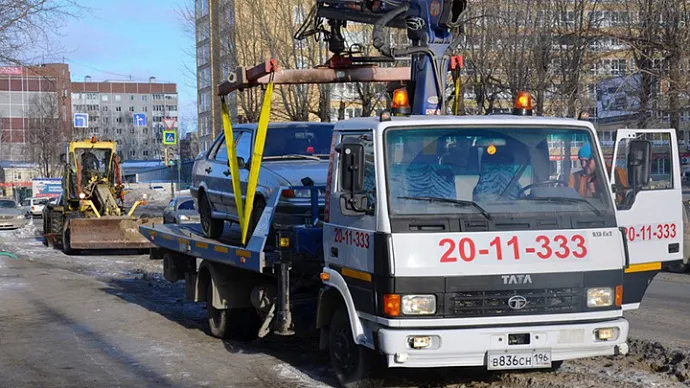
x: 119, y: 142
x: 131, y: 97
x: 118, y: 109
x: 131, y: 109
x: 132, y: 153
x: 119, y: 132
x: 171, y: 107
x: 118, y: 120
x: 104, y: 97
x: 131, y: 130
x: 104, y: 108
x: 146, y: 153
x: 157, y: 97
x: 145, y: 130
x: 144, y: 97
x: 145, y: 109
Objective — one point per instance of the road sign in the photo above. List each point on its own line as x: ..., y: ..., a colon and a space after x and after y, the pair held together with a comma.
x: 169, y: 137
x: 139, y: 119
x: 81, y: 120
x: 169, y: 123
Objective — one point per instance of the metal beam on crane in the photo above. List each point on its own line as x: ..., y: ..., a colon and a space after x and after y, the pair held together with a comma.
x: 245, y: 77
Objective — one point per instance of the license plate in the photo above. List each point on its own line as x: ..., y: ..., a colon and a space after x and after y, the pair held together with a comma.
x: 516, y: 359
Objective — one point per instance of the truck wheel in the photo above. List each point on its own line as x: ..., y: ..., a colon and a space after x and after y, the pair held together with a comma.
x: 354, y: 365
x: 257, y: 210
x: 211, y: 228
x: 239, y: 323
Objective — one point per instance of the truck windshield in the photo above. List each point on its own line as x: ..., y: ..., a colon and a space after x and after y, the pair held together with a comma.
x: 496, y: 170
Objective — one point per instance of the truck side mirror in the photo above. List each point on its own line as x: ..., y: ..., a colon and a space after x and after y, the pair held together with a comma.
x: 639, y: 163
x: 63, y: 158
x: 352, y: 167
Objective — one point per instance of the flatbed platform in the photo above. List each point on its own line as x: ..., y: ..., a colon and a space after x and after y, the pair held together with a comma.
x: 188, y: 239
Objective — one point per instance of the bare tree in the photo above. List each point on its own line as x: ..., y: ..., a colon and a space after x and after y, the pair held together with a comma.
x: 45, y: 137
x: 26, y: 24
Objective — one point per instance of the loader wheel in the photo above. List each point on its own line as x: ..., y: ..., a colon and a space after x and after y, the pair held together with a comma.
x: 354, y: 365
x: 240, y: 324
x: 66, y: 248
x: 46, y: 230
x: 211, y: 228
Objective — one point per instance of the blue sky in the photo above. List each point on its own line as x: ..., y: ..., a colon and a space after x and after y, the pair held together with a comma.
x: 116, y: 39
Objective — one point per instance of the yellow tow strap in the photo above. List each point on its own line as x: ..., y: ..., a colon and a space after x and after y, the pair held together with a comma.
x: 257, y: 157
x: 456, y: 101
x: 232, y: 157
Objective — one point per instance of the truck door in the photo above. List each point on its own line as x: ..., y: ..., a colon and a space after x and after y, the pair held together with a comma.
x: 349, y: 234
x: 646, y: 186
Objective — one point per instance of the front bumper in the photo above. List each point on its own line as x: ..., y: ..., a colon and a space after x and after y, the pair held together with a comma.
x: 13, y: 224
x: 468, y: 347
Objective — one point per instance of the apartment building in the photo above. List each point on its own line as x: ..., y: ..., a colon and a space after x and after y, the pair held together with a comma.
x: 129, y: 112
x: 31, y: 97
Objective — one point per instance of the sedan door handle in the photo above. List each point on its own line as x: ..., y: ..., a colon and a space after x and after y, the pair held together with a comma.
x: 208, y: 170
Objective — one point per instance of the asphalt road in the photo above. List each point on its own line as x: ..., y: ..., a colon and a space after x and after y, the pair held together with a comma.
x: 664, y: 313
x: 96, y: 320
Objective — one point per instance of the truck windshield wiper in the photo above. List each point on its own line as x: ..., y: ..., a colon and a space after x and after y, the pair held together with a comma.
x: 454, y: 201
x: 293, y: 156
x: 569, y: 200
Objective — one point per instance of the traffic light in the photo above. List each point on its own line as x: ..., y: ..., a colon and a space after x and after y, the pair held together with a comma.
x: 171, y: 159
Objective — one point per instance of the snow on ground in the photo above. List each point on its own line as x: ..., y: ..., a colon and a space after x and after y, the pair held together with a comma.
x: 648, y: 365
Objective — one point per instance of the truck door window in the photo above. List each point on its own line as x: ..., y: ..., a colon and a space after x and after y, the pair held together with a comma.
x: 369, y: 186
x: 661, y: 172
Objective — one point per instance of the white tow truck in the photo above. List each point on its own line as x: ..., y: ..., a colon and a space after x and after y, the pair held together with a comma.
x: 449, y: 241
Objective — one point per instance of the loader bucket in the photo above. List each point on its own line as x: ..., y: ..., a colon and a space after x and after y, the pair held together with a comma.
x: 110, y: 232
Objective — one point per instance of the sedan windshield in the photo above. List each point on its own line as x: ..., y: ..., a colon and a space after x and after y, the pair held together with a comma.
x: 487, y: 171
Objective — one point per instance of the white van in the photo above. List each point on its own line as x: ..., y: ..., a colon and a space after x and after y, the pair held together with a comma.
x: 34, y: 206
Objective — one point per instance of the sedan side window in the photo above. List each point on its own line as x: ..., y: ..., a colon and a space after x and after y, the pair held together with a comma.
x: 222, y: 153
x: 244, y: 146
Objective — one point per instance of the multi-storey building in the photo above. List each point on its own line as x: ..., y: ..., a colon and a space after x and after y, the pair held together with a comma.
x: 27, y: 94
x: 131, y: 113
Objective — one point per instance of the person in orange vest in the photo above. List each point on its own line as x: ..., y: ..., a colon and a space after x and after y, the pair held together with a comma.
x: 584, y: 181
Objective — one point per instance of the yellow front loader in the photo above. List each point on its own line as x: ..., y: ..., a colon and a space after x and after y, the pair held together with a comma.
x: 91, y: 213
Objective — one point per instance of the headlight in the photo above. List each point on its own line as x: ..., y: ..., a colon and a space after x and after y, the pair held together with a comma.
x: 21, y: 217
x: 600, y: 297
x: 82, y: 195
x: 419, y: 304
x: 184, y: 218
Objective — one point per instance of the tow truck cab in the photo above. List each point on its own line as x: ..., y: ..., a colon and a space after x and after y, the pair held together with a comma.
x: 491, y: 240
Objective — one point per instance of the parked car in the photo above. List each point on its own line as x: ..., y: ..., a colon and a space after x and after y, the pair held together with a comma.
x: 34, y: 206
x: 12, y: 215
x: 293, y: 151
x: 181, y: 210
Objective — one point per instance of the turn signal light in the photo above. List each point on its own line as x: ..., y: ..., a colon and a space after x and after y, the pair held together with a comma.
x: 619, y: 296
x: 391, y: 305
x: 325, y: 276
x: 93, y: 139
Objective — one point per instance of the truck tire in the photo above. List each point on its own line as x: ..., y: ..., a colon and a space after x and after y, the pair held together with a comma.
x: 257, y: 210
x: 211, y: 228
x: 46, y: 229
x: 677, y: 267
x: 354, y: 365
x: 240, y: 324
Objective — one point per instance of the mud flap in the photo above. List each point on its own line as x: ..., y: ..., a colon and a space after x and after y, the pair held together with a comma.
x: 110, y: 233
x: 645, y: 178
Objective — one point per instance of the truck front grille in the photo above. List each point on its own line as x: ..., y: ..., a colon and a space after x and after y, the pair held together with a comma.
x: 493, y: 303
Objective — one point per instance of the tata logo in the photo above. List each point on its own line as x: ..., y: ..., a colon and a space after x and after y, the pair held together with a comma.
x: 516, y: 279
x: 517, y: 302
